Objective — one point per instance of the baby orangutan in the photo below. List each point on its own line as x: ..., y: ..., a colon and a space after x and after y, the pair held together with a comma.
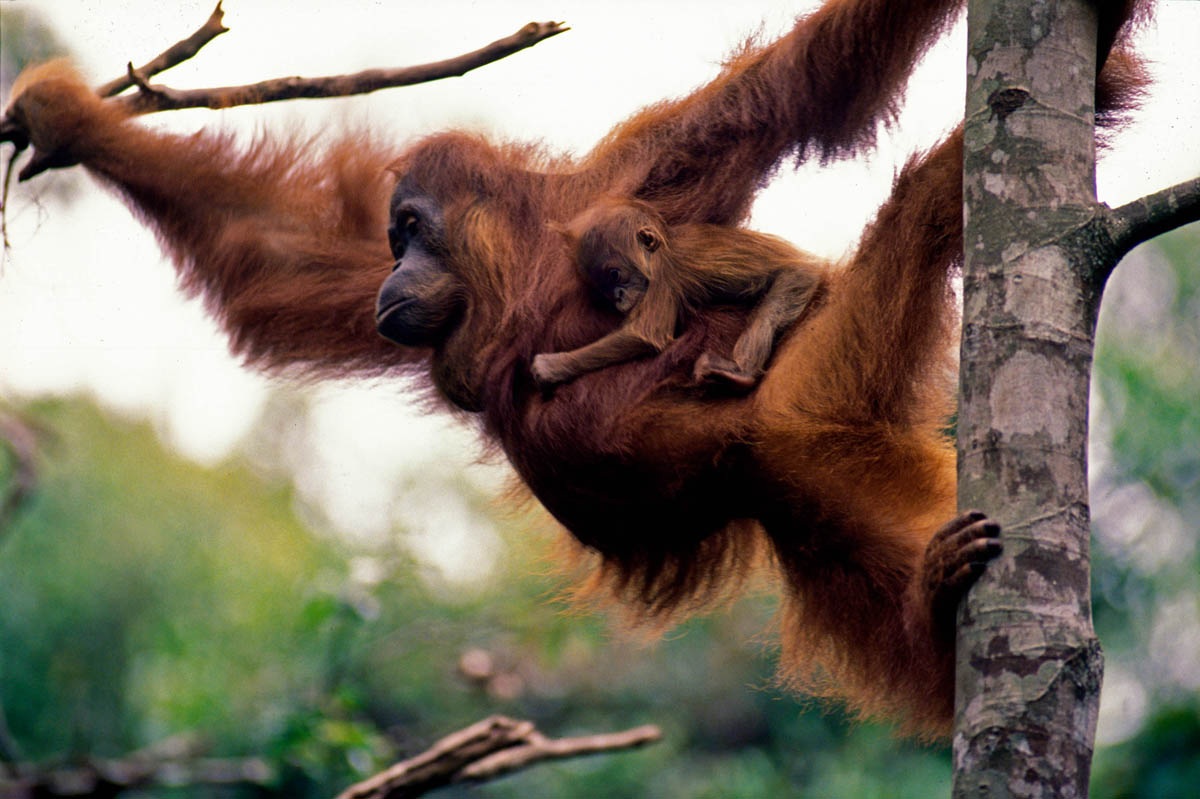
x: 632, y: 261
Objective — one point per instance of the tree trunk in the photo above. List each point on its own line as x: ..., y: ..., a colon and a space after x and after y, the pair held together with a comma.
x: 1029, y: 663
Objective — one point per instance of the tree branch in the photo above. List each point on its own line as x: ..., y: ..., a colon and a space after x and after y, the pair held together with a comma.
x: 110, y: 777
x: 539, y: 748
x: 175, y: 54
x: 152, y: 98
x: 1152, y: 215
x: 486, y: 750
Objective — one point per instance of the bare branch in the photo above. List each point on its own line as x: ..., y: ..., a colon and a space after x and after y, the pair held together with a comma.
x: 175, y: 54
x: 485, y: 750
x: 110, y: 777
x: 9, y: 169
x: 1153, y: 215
x: 541, y: 748
x: 152, y: 98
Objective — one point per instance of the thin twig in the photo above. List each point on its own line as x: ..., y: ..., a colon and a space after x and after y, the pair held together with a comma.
x: 111, y: 777
x: 1153, y: 215
x: 175, y: 54
x: 483, y: 751
x: 176, y: 761
x: 9, y: 166
x: 153, y: 98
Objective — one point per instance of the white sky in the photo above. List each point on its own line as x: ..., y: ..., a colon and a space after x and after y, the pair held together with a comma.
x: 88, y: 305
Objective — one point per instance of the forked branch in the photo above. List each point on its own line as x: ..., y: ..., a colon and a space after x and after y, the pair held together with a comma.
x: 484, y: 751
x: 175, y: 54
x: 151, y: 97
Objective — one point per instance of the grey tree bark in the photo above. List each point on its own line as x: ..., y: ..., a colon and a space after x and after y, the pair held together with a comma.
x: 1038, y: 248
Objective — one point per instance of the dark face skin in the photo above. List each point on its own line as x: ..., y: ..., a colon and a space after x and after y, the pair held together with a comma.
x: 421, y: 301
x: 617, y: 281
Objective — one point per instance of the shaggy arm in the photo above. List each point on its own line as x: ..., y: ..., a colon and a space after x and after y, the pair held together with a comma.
x: 286, y: 242
x: 888, y: 321
x: 891, y: 314
x: 824, y: 88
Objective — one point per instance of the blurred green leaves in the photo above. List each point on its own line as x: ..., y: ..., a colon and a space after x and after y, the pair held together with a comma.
x: 142, y: 597
x: 1145, y: 485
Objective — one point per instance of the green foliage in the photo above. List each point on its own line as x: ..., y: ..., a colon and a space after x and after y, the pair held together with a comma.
x: 1161, y: 762
x: 1146, y: 499
x: 1147, y: 370
x: 142, y: 596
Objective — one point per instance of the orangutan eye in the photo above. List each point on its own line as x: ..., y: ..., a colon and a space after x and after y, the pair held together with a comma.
x: 614, y: 275
x: 404, y: 228
x: 410, y: 224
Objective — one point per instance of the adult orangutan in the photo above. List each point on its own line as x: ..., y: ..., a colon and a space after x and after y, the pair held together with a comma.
x: 633, y: 263
x: 835, y: 466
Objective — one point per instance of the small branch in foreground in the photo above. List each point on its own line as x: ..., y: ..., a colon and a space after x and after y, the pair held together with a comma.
x: 486, y: 750
x: 111, y: 777
x: 175, y: 54
x: 1153, y: 215
x: 153, y: 98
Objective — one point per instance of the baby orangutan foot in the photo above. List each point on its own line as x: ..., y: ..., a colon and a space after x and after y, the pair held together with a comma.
x: 710, y: 369
x: 955, y: 557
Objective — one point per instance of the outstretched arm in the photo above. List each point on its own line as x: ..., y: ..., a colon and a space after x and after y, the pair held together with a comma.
x: 824, y: 89
x: 285, y: 241
x: 886, y: 326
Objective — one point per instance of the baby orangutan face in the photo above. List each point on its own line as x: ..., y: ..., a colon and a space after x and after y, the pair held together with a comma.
x: 614, y: 252
x: 617, y: 279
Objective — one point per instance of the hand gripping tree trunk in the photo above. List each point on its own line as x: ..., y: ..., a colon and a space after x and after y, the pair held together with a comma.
x: 1038, y: 249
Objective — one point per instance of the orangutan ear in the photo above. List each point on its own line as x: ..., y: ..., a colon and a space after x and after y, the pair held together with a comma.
x: 648, y: 239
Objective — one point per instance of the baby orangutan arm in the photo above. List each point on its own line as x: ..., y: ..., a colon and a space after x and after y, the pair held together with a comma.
x: 623, y: 344
x: 649, y: 328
